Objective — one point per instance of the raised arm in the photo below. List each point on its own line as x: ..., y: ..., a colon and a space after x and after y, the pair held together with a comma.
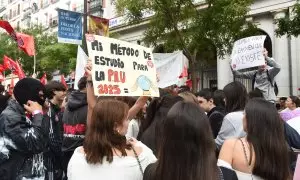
x: 91, y: 98
x: 245, y: 75
x: 26, y: 136
x: 276, y: 67
x: 139, y: 104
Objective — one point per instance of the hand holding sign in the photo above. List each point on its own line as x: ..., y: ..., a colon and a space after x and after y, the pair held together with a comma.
x: 88, y: 68
x: 248, y: 52
x: 121, y: 68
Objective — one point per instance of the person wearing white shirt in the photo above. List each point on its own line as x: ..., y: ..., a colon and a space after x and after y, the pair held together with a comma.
x: 106, y: 154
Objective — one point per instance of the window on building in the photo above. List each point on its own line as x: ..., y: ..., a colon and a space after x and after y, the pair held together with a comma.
x: 18, y: 9
x: 47, y: 20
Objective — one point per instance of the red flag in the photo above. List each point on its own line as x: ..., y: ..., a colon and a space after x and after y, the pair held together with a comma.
x: 10, y: 30
x: 20, y: 71
x: 26, y: 43
x: 2, y: 68
x: 63, y: 81
x: 184, y: 72
x: 1, y: 77
x: 44, y: 79
x: 9, y: 64
x: 13, y: 66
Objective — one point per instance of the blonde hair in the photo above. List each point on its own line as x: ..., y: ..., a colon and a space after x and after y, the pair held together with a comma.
x: 188, y: 97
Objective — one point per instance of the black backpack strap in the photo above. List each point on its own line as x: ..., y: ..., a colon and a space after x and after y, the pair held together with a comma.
x: 253, y: 80
x: 269, y: 78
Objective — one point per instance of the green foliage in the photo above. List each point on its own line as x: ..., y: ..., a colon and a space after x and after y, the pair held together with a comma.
x: 290, y: 25
x: 50, y: 55
x: 194, y: 28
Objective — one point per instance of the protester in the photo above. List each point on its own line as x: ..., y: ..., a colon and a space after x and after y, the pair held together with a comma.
x: 215, y: 113
x: 24, y: 137
x: 3, y: 99
x: 189, y: 97
x: 263, y: 153
x: 55, y: 92
x: 263, y: 78
x: 282, y: 103
x: 182, y: 89
x: 256, y: 93
x: 232, y: 126
x: 219, y: 99
x: 292, y: 103
x: 106, y: 154
x: 187, y: 148
x: 134, y: 124
x: 74, y: 122
x: 155, y: 114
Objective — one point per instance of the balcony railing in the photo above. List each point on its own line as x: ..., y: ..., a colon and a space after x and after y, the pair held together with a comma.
x: 45, y: 5
x: 95, y: 6
x: 54, y: 1
x: 26, y: 15
x: 2, y: 9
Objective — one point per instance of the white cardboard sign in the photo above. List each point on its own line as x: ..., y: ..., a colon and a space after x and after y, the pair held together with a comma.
x: 248, y: 52
x: 121, y: 68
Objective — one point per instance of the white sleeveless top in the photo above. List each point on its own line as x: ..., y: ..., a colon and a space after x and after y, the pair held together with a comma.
x: 125, y: 168
x: 240, y: 175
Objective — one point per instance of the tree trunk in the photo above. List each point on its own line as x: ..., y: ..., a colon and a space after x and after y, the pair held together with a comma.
x: 193, y: 74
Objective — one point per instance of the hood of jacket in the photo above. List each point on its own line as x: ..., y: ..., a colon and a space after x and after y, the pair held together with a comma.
x: 76, y: 100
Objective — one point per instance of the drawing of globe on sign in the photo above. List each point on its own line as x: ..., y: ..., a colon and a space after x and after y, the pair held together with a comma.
x: 144, y: 83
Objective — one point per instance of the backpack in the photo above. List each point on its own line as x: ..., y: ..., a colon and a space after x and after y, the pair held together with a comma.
x: 270, y: 80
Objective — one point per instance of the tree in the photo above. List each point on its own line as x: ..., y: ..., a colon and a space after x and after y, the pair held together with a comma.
x: 202, y: 30
x: 290, y: 25
x: 50, y: 54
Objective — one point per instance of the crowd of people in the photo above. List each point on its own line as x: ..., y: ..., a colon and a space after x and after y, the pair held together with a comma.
x: 48, y: 132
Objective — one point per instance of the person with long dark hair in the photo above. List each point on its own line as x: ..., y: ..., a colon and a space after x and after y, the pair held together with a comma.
x: 187, y: 149
x: 235, y: 100
x: 106, y: 153
x: 263, y: 153
x: 155, y: 114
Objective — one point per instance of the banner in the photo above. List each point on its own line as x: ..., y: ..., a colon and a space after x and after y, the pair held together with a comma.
x: 171, y: 68
x: 248, y: 52
x: 98, y: 26
x: 80, y: 64
x: 121, y: 68
x: 69, y: 27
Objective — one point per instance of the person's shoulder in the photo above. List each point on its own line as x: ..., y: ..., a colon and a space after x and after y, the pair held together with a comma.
x: 228, y: 174
x: 234, y: 114
x: 149, y: 173
x: 230, y: 143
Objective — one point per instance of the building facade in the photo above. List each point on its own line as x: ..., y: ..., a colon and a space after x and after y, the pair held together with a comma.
x: 263, y: 13
x: 25, y: 13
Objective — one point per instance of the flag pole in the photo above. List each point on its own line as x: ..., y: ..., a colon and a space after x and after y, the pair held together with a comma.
x: 34, y: 63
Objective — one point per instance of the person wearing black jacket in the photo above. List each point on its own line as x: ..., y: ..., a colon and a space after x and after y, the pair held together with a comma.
x: 55, y: 92
x: 3, y: 99
x: 74, y: 120
x: 215, y: 113
x: 23, y: 137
